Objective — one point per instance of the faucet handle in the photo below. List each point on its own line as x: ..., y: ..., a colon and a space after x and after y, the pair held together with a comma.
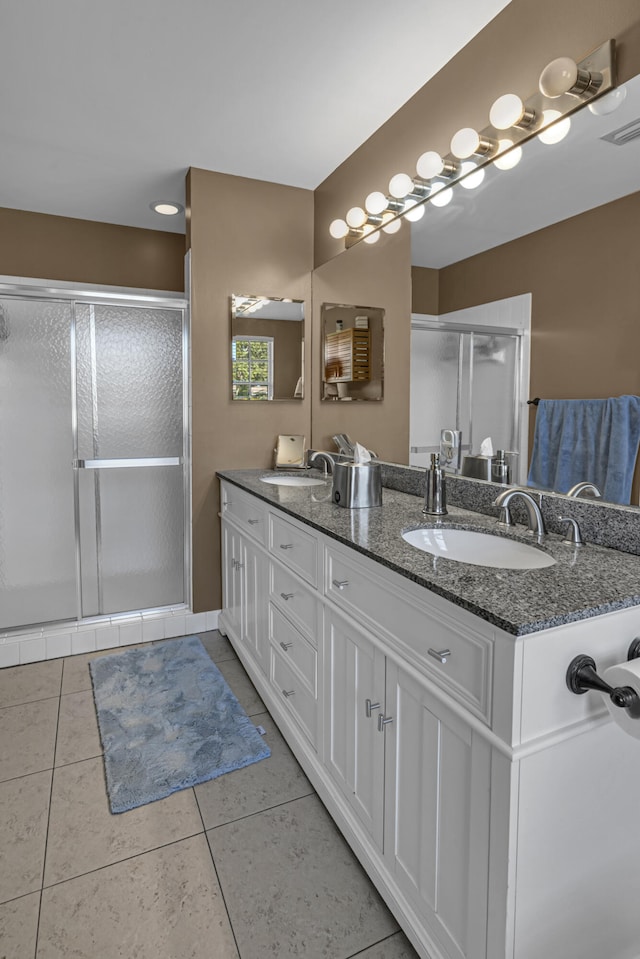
x: 573, y: 536
x: 505, y: 518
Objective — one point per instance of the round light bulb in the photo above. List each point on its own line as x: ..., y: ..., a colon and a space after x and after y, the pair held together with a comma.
x: 413, y: 211
x: 442, y: 197
x: 471, y: 179
x: 609, y: 102
x: 464, y: 143
x: 430, y: 164
x: 356, y: 217
x: 338, y: 229
x: 510, y: 159
x: 371, y: 235
x: 400, y: 185
x: 391, y: 223
x: 558, y: 77
x: 506, y: 111
x: 556, y: 132
x: 376, y: 202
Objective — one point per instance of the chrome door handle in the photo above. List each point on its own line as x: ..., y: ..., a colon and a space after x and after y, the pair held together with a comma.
x: 287, y: 595
x: 286, y: 545
x: 369, y: 707
x: 127, y: 463
x: 442, y: 655
x: 288, y: 692
x: 340, y: 583
x: 239, y: 565
x: 383, y: 721
x: 252, y: 522
x: 286, y: 646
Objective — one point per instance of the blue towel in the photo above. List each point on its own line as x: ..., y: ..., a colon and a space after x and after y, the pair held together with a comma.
x: 592, y: 440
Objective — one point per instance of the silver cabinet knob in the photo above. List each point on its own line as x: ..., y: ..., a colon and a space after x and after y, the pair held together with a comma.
x: 286, y: 646
x: 287, y: 693
x: 287, y: 595
x: 340, y: 583
x: 286, y: 545
x: 252, y: 522
x: 383, y: 721
x: 369, y: 707
x: 442, y: 655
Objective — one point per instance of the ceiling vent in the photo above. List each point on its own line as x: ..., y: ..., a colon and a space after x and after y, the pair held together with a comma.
x: 625, y: 134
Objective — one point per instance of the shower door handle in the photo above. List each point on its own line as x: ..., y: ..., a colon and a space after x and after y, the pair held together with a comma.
x: 127, y: 463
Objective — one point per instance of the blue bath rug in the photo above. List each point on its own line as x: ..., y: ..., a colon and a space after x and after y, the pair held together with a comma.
x: 167, y: 721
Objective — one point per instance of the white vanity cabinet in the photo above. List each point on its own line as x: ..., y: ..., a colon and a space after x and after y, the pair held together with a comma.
x: 494, y: 810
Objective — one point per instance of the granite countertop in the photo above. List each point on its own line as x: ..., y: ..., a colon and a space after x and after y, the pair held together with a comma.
x: 584, y: 582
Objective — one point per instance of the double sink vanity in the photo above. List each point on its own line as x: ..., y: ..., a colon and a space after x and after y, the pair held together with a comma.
x: 426, y: 699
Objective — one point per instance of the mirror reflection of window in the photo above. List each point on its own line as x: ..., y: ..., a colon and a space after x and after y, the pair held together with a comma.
x: 267, y: 348
x: 252, y: 367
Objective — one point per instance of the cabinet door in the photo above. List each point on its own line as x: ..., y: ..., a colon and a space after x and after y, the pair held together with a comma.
x: 353, y: 747
x: 436, y: 840
x: 231, y: 579
x: 254, y: 604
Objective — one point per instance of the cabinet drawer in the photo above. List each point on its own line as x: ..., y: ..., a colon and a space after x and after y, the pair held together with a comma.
x: 293, y: 647
x: 248, y: 512
x: 300, y: 605
x: 415, y: 629
x: 295, y: 697
x: 294, y: 547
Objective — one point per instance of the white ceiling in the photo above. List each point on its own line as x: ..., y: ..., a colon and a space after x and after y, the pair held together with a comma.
x: 105, y: 105
x: 551, y: 183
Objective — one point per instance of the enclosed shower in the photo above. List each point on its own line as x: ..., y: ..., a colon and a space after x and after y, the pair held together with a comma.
x: 93, y: 484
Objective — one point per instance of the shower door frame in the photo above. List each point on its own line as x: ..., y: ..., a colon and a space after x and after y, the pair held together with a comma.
x: 90, y: 293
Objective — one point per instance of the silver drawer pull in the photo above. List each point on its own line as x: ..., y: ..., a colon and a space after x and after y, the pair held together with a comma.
x: 287, y: 595
x: 286, y: 646
x: 286, y: 545
x: 383, y: 721
x: 369, y: 707
x: 252, y: 522
x: 441, y: 655
x: 227, y: 503
x: 239, y: 565
x: 340, y: 583
x: 287, y: 693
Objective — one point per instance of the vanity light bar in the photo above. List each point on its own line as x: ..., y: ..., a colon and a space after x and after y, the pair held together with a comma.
x: 564, y: 88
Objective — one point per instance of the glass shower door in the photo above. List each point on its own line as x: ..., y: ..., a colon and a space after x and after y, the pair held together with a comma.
x: 130, y: 468
x: 37, y: 529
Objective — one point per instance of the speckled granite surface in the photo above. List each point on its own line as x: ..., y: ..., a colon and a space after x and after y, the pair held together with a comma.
x: 583, y: 583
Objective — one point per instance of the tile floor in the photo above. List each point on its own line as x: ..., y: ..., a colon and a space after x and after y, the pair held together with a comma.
x: 249, y: 865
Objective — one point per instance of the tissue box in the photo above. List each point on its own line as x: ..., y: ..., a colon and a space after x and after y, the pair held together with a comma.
x: 357, y: 485
x: 478, y: 467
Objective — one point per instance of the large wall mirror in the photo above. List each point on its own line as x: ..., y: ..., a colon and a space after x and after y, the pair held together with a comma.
x: 582, y: 273
x: 267, y: 348
x: 352, y: 352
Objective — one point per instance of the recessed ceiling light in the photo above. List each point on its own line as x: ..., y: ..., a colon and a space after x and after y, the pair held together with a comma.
x: 167, y: 209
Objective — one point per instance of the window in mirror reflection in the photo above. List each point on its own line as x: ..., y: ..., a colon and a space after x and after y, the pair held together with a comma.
x: 267, y: 348
x: 352, y: 352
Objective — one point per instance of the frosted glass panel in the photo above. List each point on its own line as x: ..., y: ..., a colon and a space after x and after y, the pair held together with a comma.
x: 141, y: 550
x: 434, y: 389
x: 494, y: 385
x: 129, y: 382
x: 37, y: 531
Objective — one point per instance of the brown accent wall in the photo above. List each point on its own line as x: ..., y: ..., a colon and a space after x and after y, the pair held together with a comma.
x: 374, y: 276
x: 425, y: 290
x: 246, y: 236
x: 82, y: 251
x: 507, y: 55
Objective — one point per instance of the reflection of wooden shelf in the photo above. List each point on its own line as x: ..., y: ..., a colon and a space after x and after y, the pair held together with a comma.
x: 347, y: 356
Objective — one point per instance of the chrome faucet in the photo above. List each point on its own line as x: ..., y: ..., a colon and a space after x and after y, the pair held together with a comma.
x: 328, y: 461
x: 581, y: 488
x: 536, y: 521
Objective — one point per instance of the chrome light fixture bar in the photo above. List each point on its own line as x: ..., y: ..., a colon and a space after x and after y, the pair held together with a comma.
x: 564, y: 88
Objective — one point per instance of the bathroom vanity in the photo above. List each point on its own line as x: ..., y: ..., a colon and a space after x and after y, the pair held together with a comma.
x: 427, y: 702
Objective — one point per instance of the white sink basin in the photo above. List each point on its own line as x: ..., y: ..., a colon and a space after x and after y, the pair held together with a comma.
x: 292, y: 480
x: 479, y: 549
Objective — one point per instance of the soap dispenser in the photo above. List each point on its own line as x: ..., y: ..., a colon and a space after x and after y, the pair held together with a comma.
x: 435, y: 494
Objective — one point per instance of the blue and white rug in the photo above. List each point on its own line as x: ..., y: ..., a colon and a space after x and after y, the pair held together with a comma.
x: 168, y: 720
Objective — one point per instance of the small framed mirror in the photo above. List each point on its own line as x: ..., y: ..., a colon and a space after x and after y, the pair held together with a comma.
x: 267, y: 348
x: 352, y: 352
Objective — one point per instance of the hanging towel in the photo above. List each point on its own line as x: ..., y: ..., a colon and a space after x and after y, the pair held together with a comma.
x: 587, y: 440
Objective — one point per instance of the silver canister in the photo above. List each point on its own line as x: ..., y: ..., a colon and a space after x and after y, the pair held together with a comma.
x: 357, y: 485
